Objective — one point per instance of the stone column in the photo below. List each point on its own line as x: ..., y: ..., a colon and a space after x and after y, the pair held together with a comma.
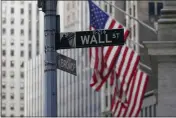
x: 164, y: 51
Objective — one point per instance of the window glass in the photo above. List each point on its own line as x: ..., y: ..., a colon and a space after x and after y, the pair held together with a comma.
x: 22, y: 11
x: 3, y: 31
x: 151, y: 8
x: 12, y: 31
x: 159, y: 7
x: 12, y: 10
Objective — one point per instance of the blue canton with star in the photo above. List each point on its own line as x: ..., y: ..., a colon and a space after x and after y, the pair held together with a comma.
x: 98, y: 17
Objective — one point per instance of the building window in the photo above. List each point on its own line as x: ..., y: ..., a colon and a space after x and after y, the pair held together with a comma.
x: 106, y: 100
x: 154, y: 9
x: 21, y: 115
x: 4, y: 8
x: 3, y: 95
x: 12, y: 96
x: 22, y: 53
x: 68, y: 18
x: 3, y: 106
x: 134, y: 10
x: 12, y: 10
x: 3, y: 74
x: 29, y: 11
x: 12, y: 52
x: 111, y: 98
x: 37, y: 52
x: 21, y: 96
x: 30, y: 34
x: 134, y: 30
x: 22, y: 21
x: 12, y: 107
x: 12, y: 74
x: 74, y: 15
x: 38, y: 47
x: 22, y: 44
x: 159, y: 7
x: 3, y: 53
x: 106, y: 84
x: 30, y: 6
x: 3, y: 42
x: 12, y: 31
x: 22, y: 85
x: 12, y: 43
x: 3, y: 115
x: 37, y: 34
x: 3, y: 85
x: 3, y: 20
x: 21, y: 108
x: 22, y: 74
x: 12, y: 63
x: 73, y: 4
x: 68, y: 6
x: 106, y: 8
x: 22, y: 32
x: 110, y: 8
x: 22, y: 64
x: 151, y: 9
x: 12, y: 86
x: 11, y: 115
x: 30, y: 54
x: 3, y: 63
x: 12, y: 20
x: 3, y: 31
x: 22, y: 11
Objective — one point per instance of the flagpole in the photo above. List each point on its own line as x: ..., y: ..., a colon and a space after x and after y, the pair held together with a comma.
x: 141, y: 22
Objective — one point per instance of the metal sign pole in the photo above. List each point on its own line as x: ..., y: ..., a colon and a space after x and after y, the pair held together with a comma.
x: 50, y: 80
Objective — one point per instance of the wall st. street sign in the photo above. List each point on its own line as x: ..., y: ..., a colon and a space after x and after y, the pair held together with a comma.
x: 85, y: 39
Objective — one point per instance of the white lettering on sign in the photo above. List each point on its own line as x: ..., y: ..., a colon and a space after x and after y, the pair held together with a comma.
x: 66, y: 64
x: 93, y: 39
x: 107, y: 39
x: 86, y: 39
x: 99, y: 38
x: 116, y: 35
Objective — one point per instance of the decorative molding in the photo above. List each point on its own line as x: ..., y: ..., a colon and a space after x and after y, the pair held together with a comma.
x: 161, y: 47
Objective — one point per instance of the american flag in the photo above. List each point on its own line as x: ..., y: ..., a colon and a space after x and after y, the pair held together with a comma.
x: 135, y: 95
x: 100, y: 55
x: 125, y: 67
x: 118, y: 63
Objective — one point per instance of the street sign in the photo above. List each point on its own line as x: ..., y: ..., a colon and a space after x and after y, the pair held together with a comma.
x: 85, y: 39
x: 66, y: 64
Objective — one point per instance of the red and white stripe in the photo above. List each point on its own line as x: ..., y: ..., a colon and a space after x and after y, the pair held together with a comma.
x: 125, y: 66
x: 105, y: 64
x: 101, y: 73
x: 96, y: 56
x: 115, y: 89
x: 111, y: 52
x: 98, y: 80
x: 135, y: 96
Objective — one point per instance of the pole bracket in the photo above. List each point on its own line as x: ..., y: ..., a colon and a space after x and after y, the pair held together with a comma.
x: 49, y: 49
x: 50, y: 63
x: 46, y: 70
